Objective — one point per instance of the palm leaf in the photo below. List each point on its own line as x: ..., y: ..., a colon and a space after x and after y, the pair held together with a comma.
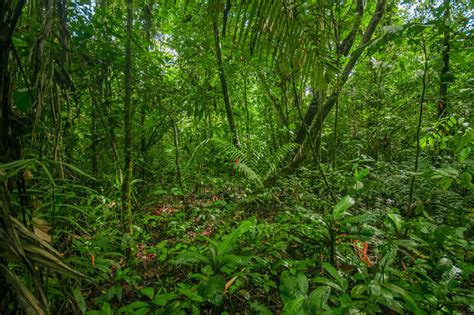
x: 25, y: 298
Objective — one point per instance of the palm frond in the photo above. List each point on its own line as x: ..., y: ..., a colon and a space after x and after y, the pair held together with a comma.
x: 29, y: 252
x: 29, y: 303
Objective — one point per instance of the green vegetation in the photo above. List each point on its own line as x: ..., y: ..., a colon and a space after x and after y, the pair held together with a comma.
x: 236, y: 157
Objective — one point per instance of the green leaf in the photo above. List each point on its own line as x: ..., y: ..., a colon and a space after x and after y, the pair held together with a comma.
x: 333, y: 272
x: 358, y: 291
x: 162, y: 299
x: 106, y: 309
x: 191, y: 257
x: 79, y: 300
x: 230, y: 239
x: 356, y: 219
x: 328, y: 283
x: 260, y: 309
x: 363, y: 173
x: 318, y: 298
x: 18, y: 42
x: 213, y: 289
x: 396, y: 219
x: 23, y: 100
x: 294, y: 306
x: 148, y: 292
x: 342, y: 206
x: 137, y: 305
x: 302, y: 283
x: 410, y: 301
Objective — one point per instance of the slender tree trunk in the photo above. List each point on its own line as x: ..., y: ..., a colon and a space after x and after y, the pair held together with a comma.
x: 111, y: 121
x: 308, y: 119
x: 278, y: 107
x: 343, y: 48
x: 148, y: 20
x: 360, y: 11
x: 331, y: 101
x: 443, y: 88
x: 128, y: 116
x: 321, y: 114
x: 94, y: 138
x: 225, y: 90
x: 9, y: 18
x: 334, y: 145
x: 420, y: 117
x: 177, y: 163
x: 142, y: 139
x: 246, y: 107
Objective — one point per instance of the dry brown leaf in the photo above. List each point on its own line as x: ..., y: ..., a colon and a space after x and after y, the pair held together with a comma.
x: 229, y: 283
x: 42, y: 235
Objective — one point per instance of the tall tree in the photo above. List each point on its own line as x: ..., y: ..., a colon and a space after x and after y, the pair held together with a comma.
x: 225, y: 89
x: 128, y: 116
x: 321, y: 114
x: 444, y: 74
x: 9, y: 17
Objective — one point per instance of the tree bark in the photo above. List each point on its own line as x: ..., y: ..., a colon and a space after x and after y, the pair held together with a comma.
x: 128, y: 115
x: 331, y: 101
x: 225, y: 90
x: 408, y: 212
x: 9, y: 18
x: 443, y: 88
x: 320, y: 115
x: 346, y: 45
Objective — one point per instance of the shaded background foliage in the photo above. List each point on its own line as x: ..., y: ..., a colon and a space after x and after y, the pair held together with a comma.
x: 249, y: 123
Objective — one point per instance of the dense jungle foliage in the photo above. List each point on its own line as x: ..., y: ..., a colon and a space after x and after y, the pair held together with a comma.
x: 236, y: 157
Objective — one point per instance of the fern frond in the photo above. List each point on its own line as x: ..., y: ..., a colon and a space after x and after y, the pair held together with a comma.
x: 227, y: 149
x: 278, y: 158
x: 243, y: 168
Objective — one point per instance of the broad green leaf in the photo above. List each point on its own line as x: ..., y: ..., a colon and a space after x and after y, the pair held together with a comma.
x: 191, y: 257
x: 333, y: 272
x: 328, y: 283
x: 79, y: 299
x: 162, y: 299
x: 137, y: 304
x: 396, y: 219
x: 230, y: 239
x: 260, y: 309
x: 106, y: 309
x: 213, y: 289
x: 294, y: 307
x: 18, y: 42
x: 302, y: 283
x: 319, y: 297
x: 358, y: 291
x: 23, y: 100
x: 410, y: 301
x: 148, y: 292
x: 342, y: 206
x: 356, y: 219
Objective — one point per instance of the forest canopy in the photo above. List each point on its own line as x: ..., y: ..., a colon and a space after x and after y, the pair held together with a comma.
x: 236, y: 157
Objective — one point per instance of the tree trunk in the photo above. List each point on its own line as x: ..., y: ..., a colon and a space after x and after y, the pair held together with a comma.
x: 225, y: 90
x: 128, y: 115
x: 9, y: 18
x: 443, y: 88
x: 408, y: 213
x: 246, y: 108
x: 321, y: 114
x: 332, y: 99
